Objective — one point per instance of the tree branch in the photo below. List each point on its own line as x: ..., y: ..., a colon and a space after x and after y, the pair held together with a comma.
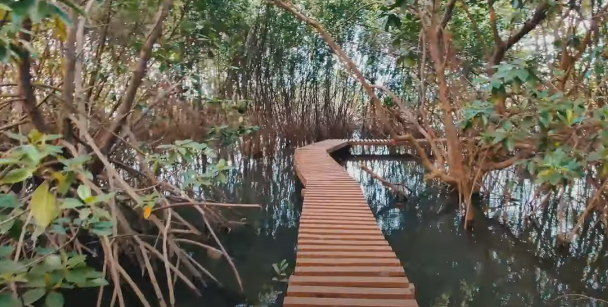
x: 540, y: 13
x: 24, y: 80
x: 108, y: 138
x: 448, y: 13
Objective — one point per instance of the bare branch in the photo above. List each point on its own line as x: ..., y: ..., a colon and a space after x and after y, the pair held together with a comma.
x: 108, y: 138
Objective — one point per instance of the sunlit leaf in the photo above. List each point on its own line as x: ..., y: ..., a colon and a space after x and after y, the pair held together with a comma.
x: 43, y: 207
x: 71, y: 203
x: 84, y: 192
x: 16, y: 175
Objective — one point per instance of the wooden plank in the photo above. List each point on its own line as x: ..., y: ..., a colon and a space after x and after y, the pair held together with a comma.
x: 350, y: 271
x: 302, y: 246
x: 348, y: 281
x: 351, y: 302
x: 339, y: 231
x: 320, y: 236
x: 338, y: 254
x: 348, y: 262
x: 350, y: 292
x: 351, y: 243
x: 342, y: 258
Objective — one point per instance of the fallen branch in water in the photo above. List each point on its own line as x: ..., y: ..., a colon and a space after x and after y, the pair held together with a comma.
x: 392, y: 187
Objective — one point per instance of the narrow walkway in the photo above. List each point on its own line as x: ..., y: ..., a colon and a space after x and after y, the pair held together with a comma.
x: 342, y: 257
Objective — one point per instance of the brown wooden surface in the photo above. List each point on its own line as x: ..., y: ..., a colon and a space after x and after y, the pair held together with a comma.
x: 342, y: 258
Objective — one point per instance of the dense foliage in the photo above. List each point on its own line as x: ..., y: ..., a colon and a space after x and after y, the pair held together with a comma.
x: 103, y: 113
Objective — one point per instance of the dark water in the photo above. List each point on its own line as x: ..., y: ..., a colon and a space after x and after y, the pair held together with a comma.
x: 498, y: 264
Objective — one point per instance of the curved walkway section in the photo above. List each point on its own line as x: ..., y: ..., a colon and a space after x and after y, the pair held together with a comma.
x: 342, y: 256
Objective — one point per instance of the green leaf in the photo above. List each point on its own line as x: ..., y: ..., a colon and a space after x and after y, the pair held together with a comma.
x: 17, y: 175
x: 33, y: 295
x: 6, y: 226
x: 43, y: 206
x: 9, y: 161
x: 510, y: 143
x: 19, y: 137
x: 522, y: 74
x: 71, y: 203
x: 97, y: 282
x: 54, y: 299
x: 6, y: 250
x: 84, y: 192
x: 222, y: 178
x: 53, y: 261
x: 32, y: 153
x: 7, y: 300
x: 5, y: 7
x: 65, y: 184
x: 76, y: 261
x: 84, y: 213
x: 58, y: 229
x: 76, y: 276
x: 8, y: 201
x: 11, y: 267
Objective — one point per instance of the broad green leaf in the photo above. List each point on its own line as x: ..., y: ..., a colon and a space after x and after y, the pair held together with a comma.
x: 19, y: 137
x: 71, y: 203
x: 54, y: 299
x: 43, y: 206
x: 17, y: 175
x: 522, y: 74
x: 10, y: 161
x: 65, y: 182
x: 33, y: 295
x: 5, y: 7
x: 84, y: 192
x: 32, y: 153
x: 85, y: 213
x: 11, y: 267
x: 8, y: 201
x: 76, y: 276
x: 6, y: 250
x: 53, y: 261
x: 6, y: 226
x: 76, y: 261
x: 7, y: 300
x: 97, y: 282
x: 222, y: 178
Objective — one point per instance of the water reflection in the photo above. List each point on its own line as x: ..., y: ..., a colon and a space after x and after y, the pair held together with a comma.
x: 267, y: 236
x: 505, y: 261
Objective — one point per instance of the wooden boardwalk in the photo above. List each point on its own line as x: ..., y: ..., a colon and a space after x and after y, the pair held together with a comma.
x: 342, y: 256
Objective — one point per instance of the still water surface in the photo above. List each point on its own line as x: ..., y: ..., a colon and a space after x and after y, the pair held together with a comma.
x: 492, y: 266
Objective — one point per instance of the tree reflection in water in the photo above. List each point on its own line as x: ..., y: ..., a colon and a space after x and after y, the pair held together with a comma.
x: 509, y: 259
